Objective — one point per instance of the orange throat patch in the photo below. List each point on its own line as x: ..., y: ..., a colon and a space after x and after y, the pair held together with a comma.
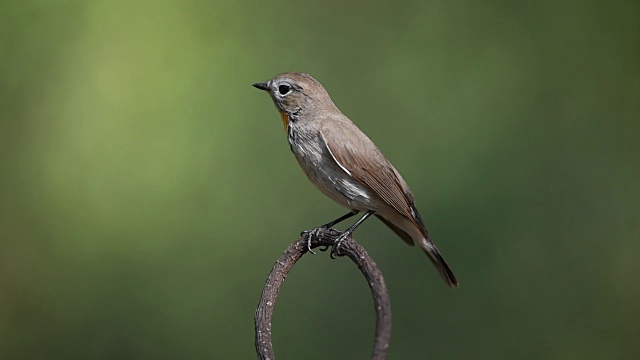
x: 285, y: 120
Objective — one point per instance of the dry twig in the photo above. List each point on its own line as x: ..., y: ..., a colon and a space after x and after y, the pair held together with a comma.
x: 325, y: 237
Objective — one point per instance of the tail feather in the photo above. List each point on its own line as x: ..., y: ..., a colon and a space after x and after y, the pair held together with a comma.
x: 436, y: 258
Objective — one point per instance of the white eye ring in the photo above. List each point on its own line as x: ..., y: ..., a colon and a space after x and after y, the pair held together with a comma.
x: 284, y: 89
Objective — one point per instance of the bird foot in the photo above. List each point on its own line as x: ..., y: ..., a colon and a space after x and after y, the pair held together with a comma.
x: 335, y: 249
x: 310, y: 234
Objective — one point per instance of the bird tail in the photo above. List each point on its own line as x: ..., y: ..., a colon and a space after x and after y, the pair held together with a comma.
x: 438, y: 261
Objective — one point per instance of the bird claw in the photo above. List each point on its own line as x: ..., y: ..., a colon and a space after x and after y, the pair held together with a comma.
x: 309, y: 234
x: 335, y: 249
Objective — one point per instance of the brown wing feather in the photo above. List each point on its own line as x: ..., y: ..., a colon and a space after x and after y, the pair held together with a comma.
x: 360, y: 157
x: 366, y: 163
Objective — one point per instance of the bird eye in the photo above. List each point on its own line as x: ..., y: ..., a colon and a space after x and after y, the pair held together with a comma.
x: 284, y: 89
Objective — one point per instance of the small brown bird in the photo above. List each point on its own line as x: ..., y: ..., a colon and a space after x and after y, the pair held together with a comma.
x: 345, y: 165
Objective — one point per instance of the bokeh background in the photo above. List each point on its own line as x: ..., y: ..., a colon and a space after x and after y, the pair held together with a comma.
x: 146, y: 188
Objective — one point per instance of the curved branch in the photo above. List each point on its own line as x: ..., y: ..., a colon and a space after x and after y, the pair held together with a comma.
x: 348, y: 247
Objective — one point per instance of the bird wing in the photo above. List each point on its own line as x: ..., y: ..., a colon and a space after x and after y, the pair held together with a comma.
x: 362, y: 159
x: 366, y: 164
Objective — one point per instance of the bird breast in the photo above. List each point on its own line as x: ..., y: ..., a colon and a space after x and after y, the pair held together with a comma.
x: 326, y: 174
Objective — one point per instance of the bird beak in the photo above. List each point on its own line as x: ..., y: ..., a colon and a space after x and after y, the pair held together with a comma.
x: 262, y: 86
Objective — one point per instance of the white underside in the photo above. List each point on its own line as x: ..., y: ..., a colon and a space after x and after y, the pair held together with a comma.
x: 335, y: 181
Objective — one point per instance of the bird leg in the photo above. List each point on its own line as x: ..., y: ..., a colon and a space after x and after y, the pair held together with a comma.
x: 335, y: 251
x: 340, y: 219
x: 316, y: 231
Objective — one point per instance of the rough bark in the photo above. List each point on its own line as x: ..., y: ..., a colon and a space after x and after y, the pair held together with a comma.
x: 349, y: 248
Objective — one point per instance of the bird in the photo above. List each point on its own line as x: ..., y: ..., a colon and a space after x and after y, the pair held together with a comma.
x: 346, y: 166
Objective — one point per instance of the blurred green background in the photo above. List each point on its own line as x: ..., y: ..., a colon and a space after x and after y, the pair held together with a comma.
x: 146, y: 189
